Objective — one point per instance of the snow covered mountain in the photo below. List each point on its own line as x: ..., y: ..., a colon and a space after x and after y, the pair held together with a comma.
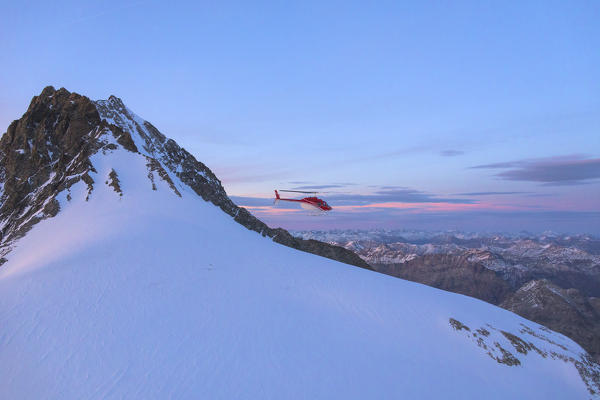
x: 48, y: 150
x: 127, y: 274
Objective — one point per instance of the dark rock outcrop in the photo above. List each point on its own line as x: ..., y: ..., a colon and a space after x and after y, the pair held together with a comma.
x: 563, y: 310
x: 42, y: 154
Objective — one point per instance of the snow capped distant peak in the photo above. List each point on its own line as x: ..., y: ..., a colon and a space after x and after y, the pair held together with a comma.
x: 529, y: 286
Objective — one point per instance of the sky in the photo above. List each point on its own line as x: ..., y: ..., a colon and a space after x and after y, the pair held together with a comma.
x: 467, y: 115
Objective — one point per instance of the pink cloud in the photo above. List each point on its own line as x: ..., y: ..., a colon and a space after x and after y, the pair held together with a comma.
x: 427, y: 207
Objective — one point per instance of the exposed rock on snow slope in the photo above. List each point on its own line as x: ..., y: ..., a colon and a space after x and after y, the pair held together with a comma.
x: 567, y: 309
x: 136, y: 288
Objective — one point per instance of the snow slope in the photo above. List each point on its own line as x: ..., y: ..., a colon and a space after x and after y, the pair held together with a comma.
x: 152, y: 295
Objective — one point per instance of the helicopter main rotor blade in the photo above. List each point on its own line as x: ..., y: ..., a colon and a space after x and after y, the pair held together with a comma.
x: 296, y: 191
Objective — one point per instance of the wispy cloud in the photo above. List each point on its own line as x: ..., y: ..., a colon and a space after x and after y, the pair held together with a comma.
x: 451, y: 153
x: 251, y: 201
x: 424, y: 207
x: 388, y: 187
x: 540, y: 195
x: 395, y: 194
x: 473, y: 218
x: 393, y: 154
x: 552, y: 171
x: 249, y: 173
x: 489, y: 193
x: 114, y: 10
x: 308, y: 187
x: 271, y: 211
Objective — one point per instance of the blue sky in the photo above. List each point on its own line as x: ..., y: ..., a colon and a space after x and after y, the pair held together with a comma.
x: 447, y: 115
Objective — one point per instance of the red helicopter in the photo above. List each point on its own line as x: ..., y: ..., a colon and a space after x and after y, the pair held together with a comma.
x: 310, y: 203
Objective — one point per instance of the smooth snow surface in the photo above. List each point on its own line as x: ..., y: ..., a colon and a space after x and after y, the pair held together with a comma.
x: 150, y: 295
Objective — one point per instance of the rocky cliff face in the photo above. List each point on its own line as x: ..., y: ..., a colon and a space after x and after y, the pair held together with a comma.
x: 48, y: 150
x: 42, y: 154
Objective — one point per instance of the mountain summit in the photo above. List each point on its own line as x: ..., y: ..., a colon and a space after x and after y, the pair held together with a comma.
x: 127, y: 273
x: 48, y: 150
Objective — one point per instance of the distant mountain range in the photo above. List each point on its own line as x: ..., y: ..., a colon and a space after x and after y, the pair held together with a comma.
x: 549, y: 278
